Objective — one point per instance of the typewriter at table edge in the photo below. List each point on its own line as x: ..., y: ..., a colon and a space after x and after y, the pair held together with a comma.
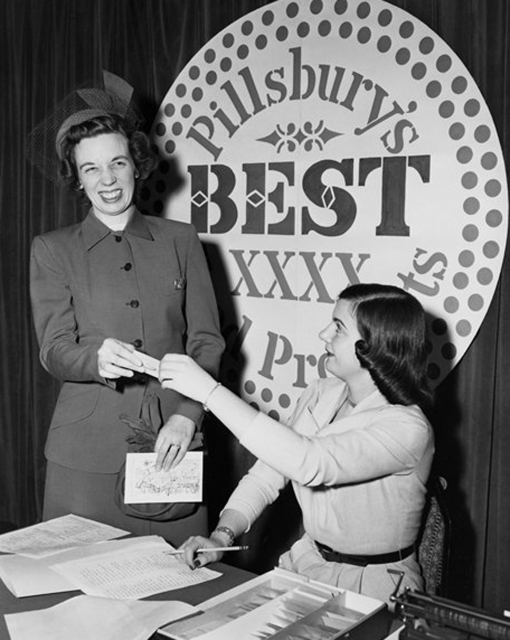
x: 427, y: 617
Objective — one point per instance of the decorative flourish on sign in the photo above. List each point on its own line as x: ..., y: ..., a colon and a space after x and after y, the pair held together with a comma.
x: 291, y: 137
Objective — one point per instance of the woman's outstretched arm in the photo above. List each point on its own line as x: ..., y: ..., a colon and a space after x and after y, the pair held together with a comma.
x: 181, y: 373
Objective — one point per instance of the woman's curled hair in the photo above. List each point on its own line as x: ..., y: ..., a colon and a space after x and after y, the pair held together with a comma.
x: 393, y: 345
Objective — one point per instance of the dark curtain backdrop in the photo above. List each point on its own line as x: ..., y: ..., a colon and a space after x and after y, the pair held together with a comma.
x: 47, y: 47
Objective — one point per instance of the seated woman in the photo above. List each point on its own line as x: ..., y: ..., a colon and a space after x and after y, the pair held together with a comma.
x: 358, y: 448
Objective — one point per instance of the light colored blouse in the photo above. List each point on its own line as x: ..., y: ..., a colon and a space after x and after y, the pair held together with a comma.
x: 360, y: 479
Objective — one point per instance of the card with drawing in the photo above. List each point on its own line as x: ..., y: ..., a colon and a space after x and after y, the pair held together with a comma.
x: 144, y: 484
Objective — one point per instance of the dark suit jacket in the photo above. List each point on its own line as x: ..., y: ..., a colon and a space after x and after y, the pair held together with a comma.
x: 148, y: 286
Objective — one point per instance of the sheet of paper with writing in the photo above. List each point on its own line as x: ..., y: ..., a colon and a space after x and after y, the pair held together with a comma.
x: 131, y: 569
x: 144, y: 484
x: 57, y: 535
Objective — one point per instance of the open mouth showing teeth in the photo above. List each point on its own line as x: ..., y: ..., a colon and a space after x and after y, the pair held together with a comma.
x: 111, y: 195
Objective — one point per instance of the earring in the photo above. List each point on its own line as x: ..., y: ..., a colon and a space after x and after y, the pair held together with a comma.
x: 137, y: 174
x: 80, y: 186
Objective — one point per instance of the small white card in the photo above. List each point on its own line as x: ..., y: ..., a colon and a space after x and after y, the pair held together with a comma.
x: 150, y: 364
x: 145, y: 484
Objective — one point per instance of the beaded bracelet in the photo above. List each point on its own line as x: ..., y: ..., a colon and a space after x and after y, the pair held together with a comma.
x: 204, y: 404
x: 227, y: 531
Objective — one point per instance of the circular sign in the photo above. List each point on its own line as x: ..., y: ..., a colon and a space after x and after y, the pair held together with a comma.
x: 316, y: 144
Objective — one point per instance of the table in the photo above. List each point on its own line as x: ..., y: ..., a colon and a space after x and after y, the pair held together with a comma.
x: 195, y: 594
x: 383, y: 627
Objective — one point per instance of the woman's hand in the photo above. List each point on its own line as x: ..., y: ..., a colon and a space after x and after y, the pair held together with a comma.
x: 116, y: 359
x: 183, y: 374
x: 195, y: 560
x: 173, y: 441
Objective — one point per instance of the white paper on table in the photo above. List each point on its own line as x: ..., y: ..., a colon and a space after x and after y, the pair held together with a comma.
x: 86, y: 617
x: 131, y: 569
x: 144, y: 484
x: 57, y: 535
x: 25, y: 576
x: 31, y: 577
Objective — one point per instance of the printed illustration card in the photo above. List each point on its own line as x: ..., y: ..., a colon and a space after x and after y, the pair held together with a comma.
x: 145, y: 484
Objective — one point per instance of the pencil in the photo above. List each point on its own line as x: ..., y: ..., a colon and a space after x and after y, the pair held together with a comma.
x: 239, y: 548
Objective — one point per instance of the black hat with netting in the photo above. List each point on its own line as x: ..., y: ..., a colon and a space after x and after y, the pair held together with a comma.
x: 114, y: 98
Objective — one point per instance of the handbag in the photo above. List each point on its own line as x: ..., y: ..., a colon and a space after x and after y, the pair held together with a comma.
x: 142, y: 440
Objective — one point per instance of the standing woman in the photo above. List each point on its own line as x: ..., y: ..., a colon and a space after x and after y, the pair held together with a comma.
x: 358, y: 448
x: 116, y: 283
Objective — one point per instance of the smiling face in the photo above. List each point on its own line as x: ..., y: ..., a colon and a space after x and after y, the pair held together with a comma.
x: 107, y: 172
x: 340, y: 337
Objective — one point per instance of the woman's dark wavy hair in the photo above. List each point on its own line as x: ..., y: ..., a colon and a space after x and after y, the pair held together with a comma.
x: 144, y: 158
x: 393, y: 345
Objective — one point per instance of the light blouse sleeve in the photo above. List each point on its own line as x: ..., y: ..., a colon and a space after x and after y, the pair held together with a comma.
x: 386, y: 441
x: 256, y: 490
x: 262, y: 484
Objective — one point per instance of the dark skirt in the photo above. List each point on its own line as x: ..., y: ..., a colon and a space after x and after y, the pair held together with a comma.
x: 92, y: 495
